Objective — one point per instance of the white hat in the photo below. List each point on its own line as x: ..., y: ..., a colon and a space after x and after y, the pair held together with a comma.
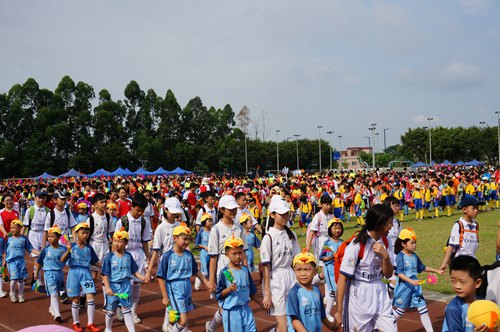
x: 173, y: 205
x: 228, y: 202
x: 279, y: 206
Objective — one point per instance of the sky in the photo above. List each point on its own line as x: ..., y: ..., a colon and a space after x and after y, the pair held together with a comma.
x: 296, y: 65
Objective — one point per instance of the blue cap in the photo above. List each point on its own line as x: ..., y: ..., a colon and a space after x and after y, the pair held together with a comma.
x: 466, y: 201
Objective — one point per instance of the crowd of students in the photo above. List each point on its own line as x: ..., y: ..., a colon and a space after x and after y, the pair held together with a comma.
x: 119, y: 231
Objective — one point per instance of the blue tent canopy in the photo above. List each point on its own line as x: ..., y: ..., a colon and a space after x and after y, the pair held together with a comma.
x: 45, y: 176
x: 459, y: 163
x: 71, y: 172
x: 142, y: 171
x: 99, y: 172
x: 446, y: 162
x: 122, y: 172
x: 161, y: 171
x: 419, y: 164
x: 474, y: 163
x: 180, y: 171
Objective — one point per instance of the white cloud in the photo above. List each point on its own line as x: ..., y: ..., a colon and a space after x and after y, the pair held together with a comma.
x: 454, y: 76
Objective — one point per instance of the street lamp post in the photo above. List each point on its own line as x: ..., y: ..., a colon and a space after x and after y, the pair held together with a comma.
x: 430, y: 141
x: 369, y: 141
x: 277, y: 152
x: 319, y: 146
x: 498, y: 134
x: 246, y: 154
x: 297, y: 140
x: 331, y: 162
x: 385, y: 143
x: 372, y: 129
x: 340, y: 144
x: 376, y: 142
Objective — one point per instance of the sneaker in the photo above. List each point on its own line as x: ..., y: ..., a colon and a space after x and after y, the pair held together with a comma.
x: 119, y: 314
x: 3, y: 294
x: 21, y: 299
x: 64, y: 298
x: 13, y: 298
x: 166, y: 327
x: 58, y: 319
x: 107, y: 330
x: 136, y: 318
x: 207, y: 327
x: 93, y: 328
x: 77, y: 327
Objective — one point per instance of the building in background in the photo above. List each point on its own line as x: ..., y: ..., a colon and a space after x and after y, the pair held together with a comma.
x: 349, y: 159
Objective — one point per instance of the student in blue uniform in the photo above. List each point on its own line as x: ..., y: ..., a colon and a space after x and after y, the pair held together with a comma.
x: 305, y: 310
x: 335, y: 231
x: 251, y: 239
x: 408, y: 292
x: 50, y: 261
x: 465, y: 273
x: 235, y: 288
x: 201, y: 242
x: 2, y: 247
x: 15, y: 248
x: 176, y: 268
x: 80, y: 255
x: 117, y: 272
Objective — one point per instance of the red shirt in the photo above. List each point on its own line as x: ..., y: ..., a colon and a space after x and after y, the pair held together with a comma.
x: 123, y: 207
x: 7, y: 217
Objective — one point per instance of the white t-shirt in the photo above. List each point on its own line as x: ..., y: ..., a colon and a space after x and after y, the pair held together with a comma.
x: 240, y: 212
x: 320, y: 223
x: 134, y: 231
x: 283, y: 249
x: 470, y: 240
x: 163, y: 239
x: 219, y: 234
x: 61, y: 221
x: 101, y: 227
x: 212, y: 211
x: 39, y: 217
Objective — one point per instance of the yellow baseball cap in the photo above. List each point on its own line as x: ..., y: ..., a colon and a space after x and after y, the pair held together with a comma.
x: 81, y: 225
x: 205, y: 216
x: 234, y: 242
x: 111, y: 206
x: 17, y: 222
x: 407, y: 233
x: 303, y: 258
x: 181, y: 229
x: 82, y: 205
x: 333, y: 221
x: 121, y: 234
x: 245, y: 217
x: 55, y: 229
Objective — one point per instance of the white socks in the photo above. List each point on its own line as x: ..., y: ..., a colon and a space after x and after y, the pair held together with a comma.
x: 109, y: 319
x: 127, y: 317
x: 90, y: 311
x: 216, y: 321
x: 425, y: 318
x: 20, y: 287
x: 136, y: 294
x: 75, y: 312
x: 330, y: 301
x: 54, y: 304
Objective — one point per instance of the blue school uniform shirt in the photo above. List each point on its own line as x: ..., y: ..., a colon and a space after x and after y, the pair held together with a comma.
x: 2, y: 246
x: 177, y: 267
x: 252, y: 240
x: 455, y: 317
x: 246, y: 288
x: 50, y: 258
x: 410, y: 266
x: 334, y: 246
x: 15, y: 248
x: 82, y: 257
x: 119, y: 268
x: 81, y: 218
x: 307, y: 306
x: 202, y: 238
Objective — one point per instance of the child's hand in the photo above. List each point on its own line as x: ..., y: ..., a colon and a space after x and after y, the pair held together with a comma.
x: 233, y: 288
x: 109, y: 291
x: 211, y: 286
x: 482, y: 328
x: 165, y: 301
x: 337, y: 320
x: 380, y: 250
x: 68, y: 246
x: 441, y: 272
x: 415, y: 282
x: 267, y: 302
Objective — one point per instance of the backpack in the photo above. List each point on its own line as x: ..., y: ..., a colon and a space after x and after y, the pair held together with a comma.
x: 31, y: 214
x: 490, y: 291
x: 339, y: 255
x: 462, y: 231
x: 53, y: 216
x: 125, y: 223
x: 92, y: 225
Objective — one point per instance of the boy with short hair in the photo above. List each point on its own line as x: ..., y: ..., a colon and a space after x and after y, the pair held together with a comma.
x: 176, y: 268
x: 118, y: 269
x: 50, y: 261
x: 304, y: 306
x: 465, y: 273
x: 80, y: 255
x: 464, y: 237
x: 235, y: 289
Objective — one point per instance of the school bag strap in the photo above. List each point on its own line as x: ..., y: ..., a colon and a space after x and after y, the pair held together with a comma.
x: 261, y: 266
x: 53, y: 216
x: 125, y: 223
x: 31, y: 214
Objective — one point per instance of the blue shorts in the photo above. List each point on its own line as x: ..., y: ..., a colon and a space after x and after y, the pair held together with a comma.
x: 204, y: 262
x: 453, y: 200
x: 250, y: 259
x: 357, y: 209
x: 408, y: 296
x: 427, y: 205
x: 493, y: 195
x: 17, y: 269
x: 112, y: 301
x: 418, y: 203
x: 179, y: 293
x: 54, y: 281
x: 239, y: 319
x: 436, y: 202
x: 304, y: 219
x: 331, y: 286
x: 79, y: 278
x: 337, y: 212
x: 480, y: 196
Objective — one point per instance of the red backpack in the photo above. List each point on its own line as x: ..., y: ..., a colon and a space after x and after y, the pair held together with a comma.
x: 339, y: 255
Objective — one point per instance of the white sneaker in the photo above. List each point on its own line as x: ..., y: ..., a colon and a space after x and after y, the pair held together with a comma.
x: 197, y: 284
x: 136, y: 318
x: 207, y: 327
x: 166, y: 327
x: 21, y: 299
x: 119, y: 314
x: 13, y: 298
x: 107, y: 330
x: 3, y: 294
